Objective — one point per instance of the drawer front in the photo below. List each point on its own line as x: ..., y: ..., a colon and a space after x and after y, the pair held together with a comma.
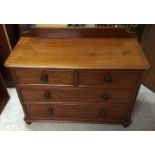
x: 85, y: 95
x: 37, y: 76
x: 72, y: 112
x: 126, y: 79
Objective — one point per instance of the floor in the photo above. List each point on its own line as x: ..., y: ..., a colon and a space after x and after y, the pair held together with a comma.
x: 143, y: 117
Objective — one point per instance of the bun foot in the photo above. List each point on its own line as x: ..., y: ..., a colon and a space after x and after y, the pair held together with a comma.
x: 27, y: 122
x: 125, y: 125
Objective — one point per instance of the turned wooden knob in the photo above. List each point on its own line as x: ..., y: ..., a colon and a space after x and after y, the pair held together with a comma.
x: 102, y: 113
x: 105, y: 97
x: 47, y: 96
x: 108, y: 78
x: 44, y: 78
x: 50, y: 112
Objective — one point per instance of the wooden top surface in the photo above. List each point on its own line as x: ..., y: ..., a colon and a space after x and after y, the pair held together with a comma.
x: 83, y: 53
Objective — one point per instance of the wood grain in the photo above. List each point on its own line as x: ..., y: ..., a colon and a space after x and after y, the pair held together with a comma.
x: 71, y: 112
x: 73, y: 32
x: 76, y: 66
x: 76, y: 96
x: 54, y: 77
x: 119, y: 79
x: 106, y: 53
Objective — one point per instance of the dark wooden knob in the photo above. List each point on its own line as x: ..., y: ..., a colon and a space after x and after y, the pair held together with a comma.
x: 105, y: 97
x: 50, y: 112
x: 108, y: 78
x: 47, y: 96
x: 44, y: 78
x: 102, y: 113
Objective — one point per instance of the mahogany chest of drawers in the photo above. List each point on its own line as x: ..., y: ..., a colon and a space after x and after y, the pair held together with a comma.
x: 92, y: 80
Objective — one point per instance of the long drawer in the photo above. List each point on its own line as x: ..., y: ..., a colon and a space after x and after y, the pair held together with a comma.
x: 120, y: 79
x: 71, y: 112
x: 44, y: 76
x: 85, y: 95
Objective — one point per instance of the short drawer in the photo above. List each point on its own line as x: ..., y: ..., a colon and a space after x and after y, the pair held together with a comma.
x: 126, y: 79
x: 38, y: 76
x: 72, y: 112
x: 84, y: 95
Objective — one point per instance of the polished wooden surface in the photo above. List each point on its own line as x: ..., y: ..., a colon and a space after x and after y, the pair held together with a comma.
x: 105, y: 53
x: 100, y: 78
x: 113, y: 94
x: 80, y: 78
x: 40, y: 76
x: 83, y: 77
x: 77, y: 32
x: 76, y: 112
x: 76, y: 96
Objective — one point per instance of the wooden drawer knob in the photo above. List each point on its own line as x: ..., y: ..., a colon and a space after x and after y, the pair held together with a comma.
x: 44, y: 78
x: 105, y: 97
x: 47, y: 96
x: 102, y: 113
x: 108, y: 79
x: 50, y: 112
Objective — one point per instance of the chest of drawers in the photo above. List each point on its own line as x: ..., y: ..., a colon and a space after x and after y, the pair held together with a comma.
x: 80, y: 80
